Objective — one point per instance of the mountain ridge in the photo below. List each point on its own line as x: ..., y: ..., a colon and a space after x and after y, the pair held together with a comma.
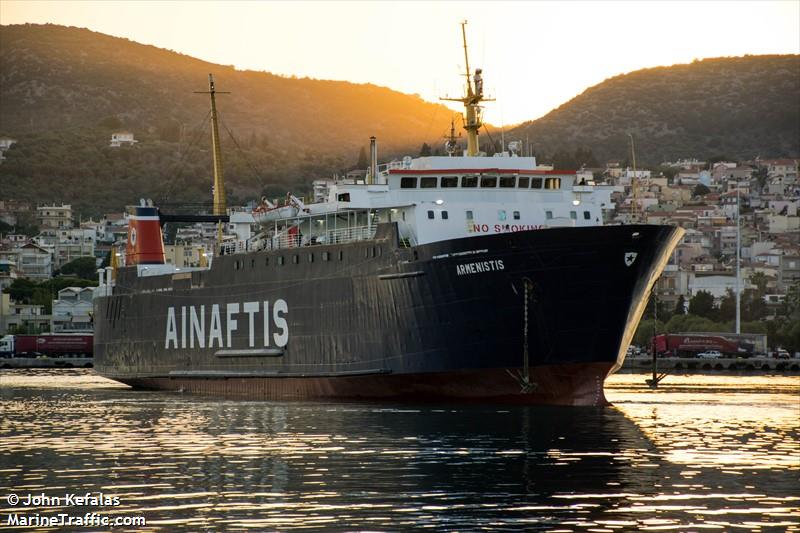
x: 64, y: 90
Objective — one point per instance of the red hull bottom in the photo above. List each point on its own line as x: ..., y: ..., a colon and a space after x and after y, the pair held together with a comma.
x: 575, y: 384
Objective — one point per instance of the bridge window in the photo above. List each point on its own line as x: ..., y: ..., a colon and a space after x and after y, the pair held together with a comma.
x: 444, y: 215
x: 427, y: 183
x: 552, y: 183
x: 344, y: 197
x: 587, y: 215
x: 516, y: 215
x: 449, y: 182
x: 523, y: 183
x: 408, y: 183
x: 430, y: 215
x: 488, y: 183
x: 548, y: 215
x: 536, y: 183
x: 508, y: 182
x: 469, y: 181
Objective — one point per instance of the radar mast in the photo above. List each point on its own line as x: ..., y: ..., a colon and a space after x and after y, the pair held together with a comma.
x: 471, y: 100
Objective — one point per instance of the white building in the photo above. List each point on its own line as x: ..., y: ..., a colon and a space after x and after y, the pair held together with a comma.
x: 122, y: 138
x: 35, y: 262
x: 54, y: 216
x: 72, y: 311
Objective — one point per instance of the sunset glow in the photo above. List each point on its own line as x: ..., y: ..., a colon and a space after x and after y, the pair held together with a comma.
x: 535, y: 55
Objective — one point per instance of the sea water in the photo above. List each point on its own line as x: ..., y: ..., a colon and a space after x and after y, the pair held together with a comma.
x: 703, y: 452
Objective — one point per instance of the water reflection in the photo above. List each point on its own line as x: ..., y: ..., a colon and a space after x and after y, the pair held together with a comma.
x: 697, y: 455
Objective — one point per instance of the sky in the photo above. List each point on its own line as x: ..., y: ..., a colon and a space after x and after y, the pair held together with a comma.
x: 535, y: 56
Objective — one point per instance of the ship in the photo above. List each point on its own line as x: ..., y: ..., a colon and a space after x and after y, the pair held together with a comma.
x: 464, y: 277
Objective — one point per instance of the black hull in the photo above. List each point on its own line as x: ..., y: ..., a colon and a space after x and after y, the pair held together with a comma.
x: 438, y: 321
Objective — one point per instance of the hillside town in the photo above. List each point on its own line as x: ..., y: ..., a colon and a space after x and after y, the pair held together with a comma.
x: 718, y: 203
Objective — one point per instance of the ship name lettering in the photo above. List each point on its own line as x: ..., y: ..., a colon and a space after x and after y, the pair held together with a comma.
x: 192, y: 327
x: 480, y: 267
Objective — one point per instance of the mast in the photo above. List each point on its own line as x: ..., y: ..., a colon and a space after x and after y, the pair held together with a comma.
x: 220, y: 205
x: 471, y: 100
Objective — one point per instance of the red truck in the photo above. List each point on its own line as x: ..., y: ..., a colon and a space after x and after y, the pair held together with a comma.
x: 50, y: 345
x: 689, y: 345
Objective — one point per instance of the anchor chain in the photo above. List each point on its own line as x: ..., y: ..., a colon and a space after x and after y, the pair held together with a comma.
x: 524, y: 378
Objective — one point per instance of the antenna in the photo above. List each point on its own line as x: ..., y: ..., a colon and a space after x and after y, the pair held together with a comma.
x: 451, y: 144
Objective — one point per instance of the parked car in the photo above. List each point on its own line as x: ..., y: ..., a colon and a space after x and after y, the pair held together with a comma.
x: 780, y: 353
x: 710, y: 354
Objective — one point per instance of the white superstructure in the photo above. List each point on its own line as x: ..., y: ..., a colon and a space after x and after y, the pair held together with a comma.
x: 438, y: 198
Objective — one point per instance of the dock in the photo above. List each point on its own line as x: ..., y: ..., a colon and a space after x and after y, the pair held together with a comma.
x: 47, y: 362
x: 670, y: 364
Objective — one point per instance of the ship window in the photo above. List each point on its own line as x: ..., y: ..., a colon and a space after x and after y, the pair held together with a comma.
x: 252, y: 263
x: 404, y: 216
x: 266, y: 261
x: 341, y: 255
x: 523, y: 183
x: 449, y: 182
x: 587, y: 215
x: 469, y: 215
x: 310, y: 258
x: 430, y: 215
x: 489, y: 183
x: 372, y: 251
x: 536, y: 183
x: 326, y: 256
x: 573, y: 215
x: 508, y: 182
x: 408, y: 183
x: 344, y: 197
x: 469, y: 181
x: 295, y: 259
x: 427, y: 183
x: 548, y: 215
x: 444, y: 215
x: 516, y: 215
x: 501, y: 214
x: 281, y: 260
x: 380, y: 251
x: 366, y: 252
x: 552, y: 183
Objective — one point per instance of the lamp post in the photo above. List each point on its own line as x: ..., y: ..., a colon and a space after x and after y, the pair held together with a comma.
x: 738, y: 253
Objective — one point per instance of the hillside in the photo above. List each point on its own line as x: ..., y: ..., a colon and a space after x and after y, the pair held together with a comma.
x: 740, y: 107
x: 63, y: 90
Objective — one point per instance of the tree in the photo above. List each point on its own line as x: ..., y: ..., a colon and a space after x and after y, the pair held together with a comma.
x: 425, y: 151
x: 727, y: 306
x: 680, y: 306
x: 700, y: 190
x: 82, y: 267
x: 760, y: 280
x: 702, y: 304
x: 362, y: 158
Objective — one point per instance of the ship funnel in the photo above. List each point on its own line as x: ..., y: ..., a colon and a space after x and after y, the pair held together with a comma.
x: 145, y: 245
x: 373, y: 160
